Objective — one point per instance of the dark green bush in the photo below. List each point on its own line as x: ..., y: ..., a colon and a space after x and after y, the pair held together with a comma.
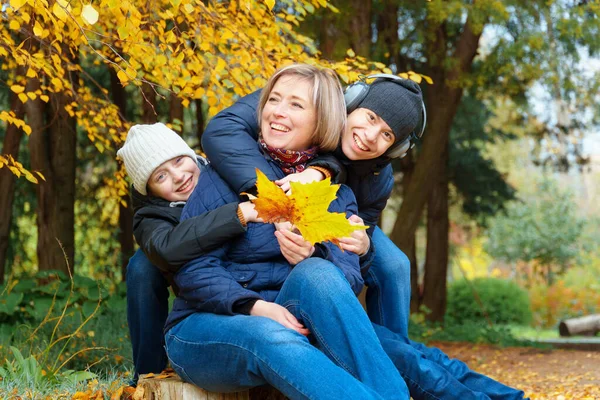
x: 503, y: 301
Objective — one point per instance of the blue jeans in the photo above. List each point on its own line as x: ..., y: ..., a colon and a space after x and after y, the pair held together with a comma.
x: 431, y: 374
x: 388, y: 285
x: 230, y: 353
x: 147, y: 310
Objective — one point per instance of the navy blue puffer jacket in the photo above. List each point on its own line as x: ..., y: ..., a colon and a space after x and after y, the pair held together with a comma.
x: 230, y: 144
x: 250, y: 267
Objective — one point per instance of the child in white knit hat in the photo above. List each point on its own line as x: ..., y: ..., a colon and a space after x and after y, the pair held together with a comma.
x: 165, y: 171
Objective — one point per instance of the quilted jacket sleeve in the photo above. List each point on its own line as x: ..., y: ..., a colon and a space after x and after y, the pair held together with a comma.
x: 205, y: 283
x: 230, y: 142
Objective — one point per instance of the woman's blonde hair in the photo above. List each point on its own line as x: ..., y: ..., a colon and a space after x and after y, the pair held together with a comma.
x: 327, y: 98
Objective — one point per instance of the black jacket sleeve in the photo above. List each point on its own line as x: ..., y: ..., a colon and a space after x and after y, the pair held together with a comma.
x: 169, y: 244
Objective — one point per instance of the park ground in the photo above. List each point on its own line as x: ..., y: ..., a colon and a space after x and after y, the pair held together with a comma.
x: 542, y: 373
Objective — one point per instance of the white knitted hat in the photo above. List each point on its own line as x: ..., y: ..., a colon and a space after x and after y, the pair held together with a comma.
x: 146, y: 148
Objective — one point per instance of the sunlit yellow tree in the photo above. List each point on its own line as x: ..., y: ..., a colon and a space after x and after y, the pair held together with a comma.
x: 195, y: 50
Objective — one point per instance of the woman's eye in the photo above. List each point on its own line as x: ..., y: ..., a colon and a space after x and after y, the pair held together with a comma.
x: 298, y: 105
x: 272, y: 99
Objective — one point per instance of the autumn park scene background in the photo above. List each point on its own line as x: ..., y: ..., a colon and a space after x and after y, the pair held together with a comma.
x: 496, y: 207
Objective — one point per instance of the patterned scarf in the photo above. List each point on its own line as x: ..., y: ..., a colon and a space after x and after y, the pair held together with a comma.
x: 290, y: 161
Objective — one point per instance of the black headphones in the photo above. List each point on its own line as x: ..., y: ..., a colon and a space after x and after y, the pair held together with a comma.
x: 356, y: 92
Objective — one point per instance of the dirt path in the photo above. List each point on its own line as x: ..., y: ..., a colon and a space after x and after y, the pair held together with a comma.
x: 542, y: 374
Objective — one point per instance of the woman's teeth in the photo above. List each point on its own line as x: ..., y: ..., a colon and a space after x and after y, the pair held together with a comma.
x: 278, y: 127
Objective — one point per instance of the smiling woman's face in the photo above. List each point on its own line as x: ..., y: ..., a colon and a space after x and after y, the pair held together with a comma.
x: 174, y: 180
x: 289, y: 117
x: 366, y: 136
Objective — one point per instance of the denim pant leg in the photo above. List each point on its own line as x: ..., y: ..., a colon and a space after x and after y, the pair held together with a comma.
x: 147, y: 309
x: 425, y: 378
x: 318, y: 294
x: 224, y: 353
x: 469, y: 378
x: 388, y: 282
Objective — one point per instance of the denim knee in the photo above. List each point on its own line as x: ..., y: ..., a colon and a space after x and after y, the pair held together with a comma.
x: 320, y: 277
x: 142, y: 274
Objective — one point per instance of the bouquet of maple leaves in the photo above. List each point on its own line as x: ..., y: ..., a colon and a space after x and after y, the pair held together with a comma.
x: 306, y: 208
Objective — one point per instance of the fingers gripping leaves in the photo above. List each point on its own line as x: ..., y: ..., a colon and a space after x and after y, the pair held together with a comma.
x: 306, y: 208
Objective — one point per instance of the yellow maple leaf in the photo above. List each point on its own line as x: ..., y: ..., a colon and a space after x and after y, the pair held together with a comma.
x: 306, y: 208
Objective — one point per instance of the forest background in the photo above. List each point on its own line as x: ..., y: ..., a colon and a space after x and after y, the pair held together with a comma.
x: 495, y: 207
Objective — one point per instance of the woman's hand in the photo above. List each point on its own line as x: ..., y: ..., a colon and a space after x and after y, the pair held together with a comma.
x: 306, y: 176
x: 279, y: 314
x: 249, y: 212
x: 359, y: 241
x: 293, y: 246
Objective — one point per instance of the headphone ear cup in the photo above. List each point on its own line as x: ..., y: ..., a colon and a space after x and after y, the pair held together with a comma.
x: 354, y: 94
x: 401, y: 149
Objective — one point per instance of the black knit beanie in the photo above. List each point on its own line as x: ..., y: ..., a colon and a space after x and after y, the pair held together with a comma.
x: 398, y: 103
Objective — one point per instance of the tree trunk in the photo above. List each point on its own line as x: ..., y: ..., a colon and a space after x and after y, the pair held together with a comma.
x: 149, y: 114
x: 407, y: 166
x: 119, y: 98
x: 199, y: 122
x: 387, y: 28
x: 12, y: 141
x: 176, y: 110
x: 48, y: 251
x: 326, y: 32
x: 442, y: 106
x: 436, y: 261
x: 360, y: 32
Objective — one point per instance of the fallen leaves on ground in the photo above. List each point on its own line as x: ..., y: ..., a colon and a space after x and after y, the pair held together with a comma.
x: 543, y: 374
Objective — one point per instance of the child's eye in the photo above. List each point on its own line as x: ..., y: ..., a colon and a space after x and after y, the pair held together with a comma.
x: 160, y: 177
x: 178, y: 160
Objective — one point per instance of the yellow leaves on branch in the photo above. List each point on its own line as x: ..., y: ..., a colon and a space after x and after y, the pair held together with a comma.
x: 306, y: 208
x: 18, y: 170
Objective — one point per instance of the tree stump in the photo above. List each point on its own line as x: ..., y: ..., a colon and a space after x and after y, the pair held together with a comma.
x: 588, y: 326
x: 169, y: 386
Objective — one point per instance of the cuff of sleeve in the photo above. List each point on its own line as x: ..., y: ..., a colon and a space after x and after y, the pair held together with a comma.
x: 244, y: 307
x: 240, y: 215
x: 322, y: 170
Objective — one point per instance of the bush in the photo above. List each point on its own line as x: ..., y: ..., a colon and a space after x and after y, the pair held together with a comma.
x: 502, y: 301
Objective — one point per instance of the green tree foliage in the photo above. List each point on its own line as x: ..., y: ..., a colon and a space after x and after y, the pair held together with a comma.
x: 546, y: 229
x: 481, y: 186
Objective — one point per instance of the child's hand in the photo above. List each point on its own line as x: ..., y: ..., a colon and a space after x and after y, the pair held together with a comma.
x: 279, y: 314
x: 293, y: 246
x: 359, y: 242
x: 250, y: 214
x: 306, y: 176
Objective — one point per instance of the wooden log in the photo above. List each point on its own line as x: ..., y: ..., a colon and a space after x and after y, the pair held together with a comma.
x: 587, y: 326
x: 168, y: 386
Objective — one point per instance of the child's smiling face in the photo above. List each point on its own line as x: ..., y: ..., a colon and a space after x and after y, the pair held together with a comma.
x: 174, y: 180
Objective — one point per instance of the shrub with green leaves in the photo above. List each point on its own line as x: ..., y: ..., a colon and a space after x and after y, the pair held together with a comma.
x: 502, y: 301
